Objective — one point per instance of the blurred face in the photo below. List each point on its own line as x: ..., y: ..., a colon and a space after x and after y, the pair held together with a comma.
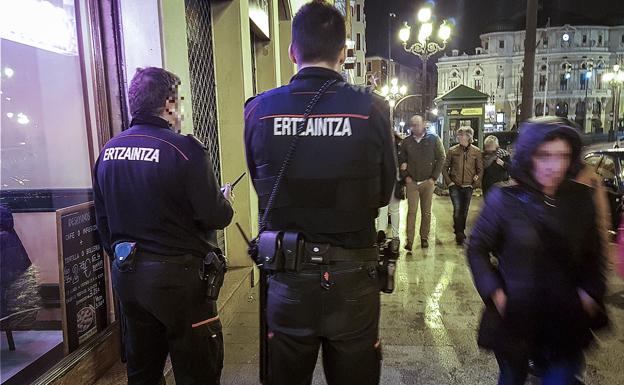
x: 464, y: 139
x: 417, y: 125
x: 551, y: 162
x: 173, y: 111
x: 490, y: 147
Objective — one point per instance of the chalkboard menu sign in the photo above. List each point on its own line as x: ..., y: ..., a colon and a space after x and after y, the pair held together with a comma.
x: 82, y: 275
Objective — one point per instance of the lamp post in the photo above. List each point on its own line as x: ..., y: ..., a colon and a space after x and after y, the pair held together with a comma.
x: 424, y: 47
x: 393, y: 94
x: 615, y: 80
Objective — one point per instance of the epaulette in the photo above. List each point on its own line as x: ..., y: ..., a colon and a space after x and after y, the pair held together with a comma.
x: 196, y: 141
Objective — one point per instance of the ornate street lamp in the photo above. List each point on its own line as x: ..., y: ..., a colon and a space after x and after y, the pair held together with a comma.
x: 615, y: 80
x: 424, y: 47
x: 393, y: 94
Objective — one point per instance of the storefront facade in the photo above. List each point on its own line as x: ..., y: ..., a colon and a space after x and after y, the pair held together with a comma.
x: 65, y: 69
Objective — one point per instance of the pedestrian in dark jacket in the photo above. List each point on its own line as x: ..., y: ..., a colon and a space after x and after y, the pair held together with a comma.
x: 496, y: 163
x: 546, y: 289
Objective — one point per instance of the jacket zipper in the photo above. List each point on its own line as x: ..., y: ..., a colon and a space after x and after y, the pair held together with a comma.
x: 464, y: 167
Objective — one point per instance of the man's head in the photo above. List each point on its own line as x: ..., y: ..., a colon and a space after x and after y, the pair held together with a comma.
x: 417, y: 125
x: 318, y: 36
x: 154, y: 92
x: 465, y: 135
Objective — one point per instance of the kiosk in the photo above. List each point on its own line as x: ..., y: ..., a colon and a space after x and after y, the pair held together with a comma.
x: 461, y: 106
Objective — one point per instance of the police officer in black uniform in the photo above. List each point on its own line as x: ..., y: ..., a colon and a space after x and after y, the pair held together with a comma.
x: 343, y: 170
x: 158, y: 205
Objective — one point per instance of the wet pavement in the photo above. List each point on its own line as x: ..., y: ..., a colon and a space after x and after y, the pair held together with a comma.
x: 428, y: 326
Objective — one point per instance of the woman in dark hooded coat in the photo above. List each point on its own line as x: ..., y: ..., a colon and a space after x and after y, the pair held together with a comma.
x: 544, y: 292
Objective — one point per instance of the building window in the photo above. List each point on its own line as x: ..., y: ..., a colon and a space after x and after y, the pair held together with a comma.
x: 583, y: 80
x: 357, y: 12
x: 486, y: 45
x: 358, y: 45
x: 599, y: 80
x: 545, y: 42
x: 359, y: 69
x: 369, y: 67
x: 542, y: 82
x: 563, y: 83
x: 477, y: 84
x: 622, y: 41
x: 501, y: 44
x: 453, y: 83
x: 561, y: 109
x: 584, y: 39
x: 539, y: 109
x: 599, y: 39
x: 597, y: 110
x: 500, y: 81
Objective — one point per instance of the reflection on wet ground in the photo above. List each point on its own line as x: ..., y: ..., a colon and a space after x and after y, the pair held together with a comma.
x: 428, y: 326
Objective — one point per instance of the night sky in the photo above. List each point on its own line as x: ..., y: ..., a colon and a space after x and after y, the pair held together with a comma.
x: 474, y: 17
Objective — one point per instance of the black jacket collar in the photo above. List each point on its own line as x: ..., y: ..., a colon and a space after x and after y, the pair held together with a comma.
x: 149, y: 120
x: 317, y: 72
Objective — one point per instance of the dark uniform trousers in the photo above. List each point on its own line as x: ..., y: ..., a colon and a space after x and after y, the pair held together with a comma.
x: 335, y: 307
x: 166, y: 311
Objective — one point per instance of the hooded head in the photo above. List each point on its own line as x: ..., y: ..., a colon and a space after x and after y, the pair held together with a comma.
x: 6, y: 219
x: 533, y: 134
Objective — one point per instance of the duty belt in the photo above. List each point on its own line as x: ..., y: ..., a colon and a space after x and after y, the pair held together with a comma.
x: 325, y: 254
x: 185, y: 259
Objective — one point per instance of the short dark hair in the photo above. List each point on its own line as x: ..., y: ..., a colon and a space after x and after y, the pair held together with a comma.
x: 318, y: 32
x: 150, y: 89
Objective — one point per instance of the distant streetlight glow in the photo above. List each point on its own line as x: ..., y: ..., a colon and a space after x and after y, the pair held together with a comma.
x: 444, y: 33
x: 404, y: 33
x: 403, y: 90
x: 434, y: 111
x: 424, y: 15
x: 588, y: 74
x: 566, y: 37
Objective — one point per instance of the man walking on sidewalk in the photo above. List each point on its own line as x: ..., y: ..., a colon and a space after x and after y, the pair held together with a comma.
x: 421, y: 158
x: 463, y: 171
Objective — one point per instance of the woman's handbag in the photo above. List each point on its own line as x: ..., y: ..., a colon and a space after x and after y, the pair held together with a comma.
x: 399, y: 189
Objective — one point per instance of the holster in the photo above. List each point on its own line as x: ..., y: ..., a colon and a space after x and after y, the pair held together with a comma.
x: 388, y: 256
x: 212, y: 271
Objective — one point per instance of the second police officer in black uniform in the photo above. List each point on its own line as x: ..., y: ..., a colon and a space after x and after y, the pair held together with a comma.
x: 158, y: 205
x: 342, y: 170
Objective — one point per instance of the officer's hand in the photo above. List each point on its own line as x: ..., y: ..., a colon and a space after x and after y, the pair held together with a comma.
x: 227, y: 192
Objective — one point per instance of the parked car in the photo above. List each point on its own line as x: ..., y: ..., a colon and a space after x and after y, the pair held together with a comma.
x: 608, y: 164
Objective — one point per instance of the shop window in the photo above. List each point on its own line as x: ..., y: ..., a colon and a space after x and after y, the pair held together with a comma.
x: 46, y: 153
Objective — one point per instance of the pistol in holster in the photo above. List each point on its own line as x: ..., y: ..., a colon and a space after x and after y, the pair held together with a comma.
x: 125, y: 256
x: 388, y: 256
x: 212, y: 271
